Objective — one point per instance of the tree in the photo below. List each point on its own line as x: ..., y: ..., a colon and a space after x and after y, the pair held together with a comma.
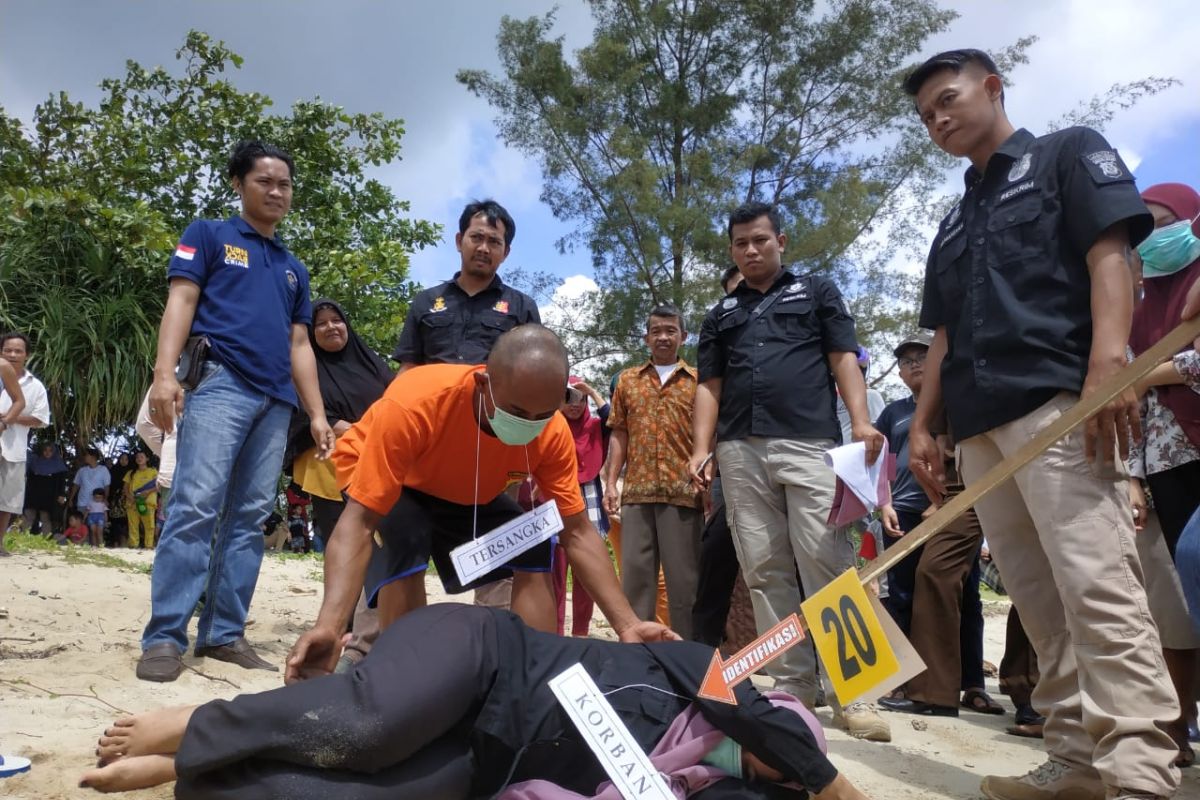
x: 93, y: 199
x: 679, y: 109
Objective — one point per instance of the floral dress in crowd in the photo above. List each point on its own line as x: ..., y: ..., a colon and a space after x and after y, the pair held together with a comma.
x: 1164, y: 444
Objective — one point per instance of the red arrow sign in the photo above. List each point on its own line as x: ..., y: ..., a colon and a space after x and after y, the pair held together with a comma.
x: 722, y: 676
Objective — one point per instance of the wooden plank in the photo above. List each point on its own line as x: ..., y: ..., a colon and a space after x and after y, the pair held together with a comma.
x: 1167, y: 347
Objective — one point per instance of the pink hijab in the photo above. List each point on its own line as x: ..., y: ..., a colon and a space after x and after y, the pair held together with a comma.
x: 1162, y: 307
x: 589, y: 441
x: 677, y: 756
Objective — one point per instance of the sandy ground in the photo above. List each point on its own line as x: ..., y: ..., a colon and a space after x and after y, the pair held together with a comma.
x: 69, y: 642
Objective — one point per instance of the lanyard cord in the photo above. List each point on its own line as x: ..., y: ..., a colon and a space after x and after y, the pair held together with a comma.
x: 475, y: 504
x: 475, y: 496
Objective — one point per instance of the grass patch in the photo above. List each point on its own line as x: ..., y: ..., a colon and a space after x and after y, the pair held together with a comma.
x: 21, y: 542
x: 987, y: 595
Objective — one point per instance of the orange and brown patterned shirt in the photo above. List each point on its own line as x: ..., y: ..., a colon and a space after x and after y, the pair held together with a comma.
x: 658, y: 420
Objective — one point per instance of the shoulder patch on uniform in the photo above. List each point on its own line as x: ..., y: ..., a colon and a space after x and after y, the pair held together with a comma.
x: 501, y: 306
x: 954, y: 215
x: 729, y: 302
x: 438, y: 305
x: 1105, y: 166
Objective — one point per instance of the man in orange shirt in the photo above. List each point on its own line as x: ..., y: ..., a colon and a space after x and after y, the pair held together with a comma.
x: 442, y: 439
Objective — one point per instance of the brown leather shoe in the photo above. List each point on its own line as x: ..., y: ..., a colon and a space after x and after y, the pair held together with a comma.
x: 237, y: 652
x: 161, y: 663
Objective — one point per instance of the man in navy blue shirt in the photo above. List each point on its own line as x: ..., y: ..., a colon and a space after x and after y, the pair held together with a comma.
x: 233, y: 283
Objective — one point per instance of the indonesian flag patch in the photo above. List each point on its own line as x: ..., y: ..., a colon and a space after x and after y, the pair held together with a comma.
x: 185, y: 252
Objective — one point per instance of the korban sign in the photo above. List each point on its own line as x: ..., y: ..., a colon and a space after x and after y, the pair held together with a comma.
x: 619, y: 753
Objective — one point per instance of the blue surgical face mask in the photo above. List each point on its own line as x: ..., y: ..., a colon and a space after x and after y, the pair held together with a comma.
x: 727, y: 757
x: 511, y: 429
x: 1169, y: 249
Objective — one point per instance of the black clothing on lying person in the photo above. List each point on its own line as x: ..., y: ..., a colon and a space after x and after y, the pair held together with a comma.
x: 773, y: 364
x: 453, y: 702
x: 1007, y: 273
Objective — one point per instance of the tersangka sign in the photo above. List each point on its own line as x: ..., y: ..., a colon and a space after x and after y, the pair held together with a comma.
x: 495, y: 548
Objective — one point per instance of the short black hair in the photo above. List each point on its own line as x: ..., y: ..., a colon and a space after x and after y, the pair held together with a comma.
x: 666, y: 311
x: 748, y: 212
x: 494, y: 212
x: 15, y: 335
x: 955, y: 61
x: 93, y: 452
x: 99, y: 490
x: 247, y: 153
x: 729, y: 274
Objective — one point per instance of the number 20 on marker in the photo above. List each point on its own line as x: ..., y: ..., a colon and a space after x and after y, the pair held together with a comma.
x: 853, y: 647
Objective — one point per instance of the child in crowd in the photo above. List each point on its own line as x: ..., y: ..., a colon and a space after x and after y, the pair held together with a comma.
x: 97, y: 517
x: 76, y: 532
x: 297, y: 530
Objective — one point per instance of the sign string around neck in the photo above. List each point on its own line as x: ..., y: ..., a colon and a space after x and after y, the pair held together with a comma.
x: 475, y: 495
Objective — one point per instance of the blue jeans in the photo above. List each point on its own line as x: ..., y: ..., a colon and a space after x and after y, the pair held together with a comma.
x: 1187, y: 561
x: 230, y: 452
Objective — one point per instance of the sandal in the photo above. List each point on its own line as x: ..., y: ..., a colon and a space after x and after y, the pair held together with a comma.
x: 978, y: 700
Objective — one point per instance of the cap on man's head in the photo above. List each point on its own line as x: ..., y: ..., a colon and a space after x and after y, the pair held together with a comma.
x: 918, y: 339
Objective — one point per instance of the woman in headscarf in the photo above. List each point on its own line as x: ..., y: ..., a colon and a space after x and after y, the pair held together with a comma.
x: 591, y: 447
x: 352, y: 376
x: 1169, y: 455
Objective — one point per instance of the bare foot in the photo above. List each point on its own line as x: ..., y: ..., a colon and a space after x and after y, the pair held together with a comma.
x: 155, y: 732
x: 137, y: 772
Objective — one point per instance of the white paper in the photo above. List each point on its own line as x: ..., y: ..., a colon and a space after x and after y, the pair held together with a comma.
x: 500, y: 545
x: 619, y: 753
x: 849, y: 463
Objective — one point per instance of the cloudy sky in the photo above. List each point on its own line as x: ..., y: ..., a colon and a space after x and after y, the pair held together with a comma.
x: 401, y: 58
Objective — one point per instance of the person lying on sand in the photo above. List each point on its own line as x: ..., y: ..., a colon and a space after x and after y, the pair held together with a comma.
x: 453, y: 702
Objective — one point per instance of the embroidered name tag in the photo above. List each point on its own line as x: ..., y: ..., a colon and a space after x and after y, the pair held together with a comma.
x: 623, y: 760
x: 950, y: 234
x: 797, y: 291
x: 1019, y: 189
x: 495, y: 548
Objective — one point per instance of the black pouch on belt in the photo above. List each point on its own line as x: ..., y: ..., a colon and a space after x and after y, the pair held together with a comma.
x: 191, y: 362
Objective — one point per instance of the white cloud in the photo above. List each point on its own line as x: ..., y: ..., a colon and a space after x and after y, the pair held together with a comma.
x: 572, y: 288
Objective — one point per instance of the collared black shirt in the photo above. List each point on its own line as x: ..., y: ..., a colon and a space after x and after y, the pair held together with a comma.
x: 1008, y: 277
x: 775, y: 373
x: 445, y: 325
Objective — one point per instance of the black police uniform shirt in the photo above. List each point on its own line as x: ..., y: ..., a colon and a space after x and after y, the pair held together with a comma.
x: 773, y: 366
x: 1007, y: 273
x: 445, y: 325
